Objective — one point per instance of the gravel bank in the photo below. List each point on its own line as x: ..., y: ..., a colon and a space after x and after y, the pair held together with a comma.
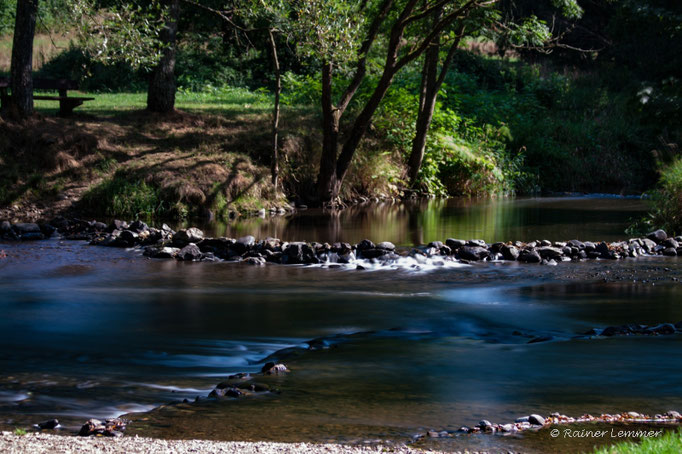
x: 35, y: 443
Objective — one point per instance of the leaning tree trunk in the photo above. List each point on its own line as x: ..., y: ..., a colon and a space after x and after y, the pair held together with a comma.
x: 161, y: 93
x: 432, y: 80
x: 21, y: 84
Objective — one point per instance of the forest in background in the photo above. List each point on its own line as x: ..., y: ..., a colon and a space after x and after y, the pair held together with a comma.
x: 596, y: 108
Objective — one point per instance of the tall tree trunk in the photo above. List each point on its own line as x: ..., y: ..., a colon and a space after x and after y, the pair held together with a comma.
x: 21, y: 84
x: 359, y: 129
x: 427, y: 104
x: 432, y: 81
x: 275, y: 115
x: 326, y: 179
x: 161, y: 92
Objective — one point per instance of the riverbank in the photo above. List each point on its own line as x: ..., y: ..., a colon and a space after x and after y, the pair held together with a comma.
x: 36, y: 443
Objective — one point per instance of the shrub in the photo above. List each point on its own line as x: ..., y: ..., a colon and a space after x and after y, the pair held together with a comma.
x: 121, y: 196
x: 667, y: 199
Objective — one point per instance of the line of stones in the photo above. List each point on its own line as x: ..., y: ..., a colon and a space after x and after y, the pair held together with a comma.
x: 191, y: 244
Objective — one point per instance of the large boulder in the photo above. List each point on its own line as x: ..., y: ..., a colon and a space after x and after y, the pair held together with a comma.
x: 454, y: 243
x: 473, y: 253
x: 190, y: 253
x: 529, y: 256
x: 184, y: 237
x: 658, y: 236
x: 28, y: 231
x: 297, y: 253
x: 364, y: 244
x: 244, y: 244
x: 548, y: 252
x: 509, y: 252
x: 138, y: 227
x: 387, y: 245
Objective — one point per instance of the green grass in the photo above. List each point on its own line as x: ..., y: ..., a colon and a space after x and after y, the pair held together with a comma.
x: 20, y: 432
x: 121, y: 197
x: 669, y: 443
x: 224, y: 101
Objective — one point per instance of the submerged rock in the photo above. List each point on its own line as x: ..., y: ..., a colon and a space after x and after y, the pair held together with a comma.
x: 272, y: 368
x: 48, y: 425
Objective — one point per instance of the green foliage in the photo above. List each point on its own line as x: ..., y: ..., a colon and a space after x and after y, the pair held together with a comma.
x: 667, y: 200
x: 20, y: 432
x: 123, y: 32
x: 53, y: 15
x: 76, y: 64
x: 122, y: 195
x: 8, y: 9
x: 668, y: 443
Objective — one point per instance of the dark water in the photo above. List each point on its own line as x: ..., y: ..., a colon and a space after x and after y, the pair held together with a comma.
x: 94, y: 332
x: 419, y: 222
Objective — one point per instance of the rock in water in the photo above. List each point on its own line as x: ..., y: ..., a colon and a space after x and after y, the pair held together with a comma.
x: 509, y: 252
x: 184, y: 237
x: 274, y: 369
x: 49, y: 424
x: 190, y: 253
x: 529, y: 256
x: 658, y: 236
x: 537, y: 420
x: 474, y: 253
x: 386, y: 245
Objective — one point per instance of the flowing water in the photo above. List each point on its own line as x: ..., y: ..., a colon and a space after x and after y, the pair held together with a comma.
x: 98, y: 332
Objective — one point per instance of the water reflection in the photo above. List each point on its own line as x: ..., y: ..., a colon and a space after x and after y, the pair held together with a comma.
x: 418, y: 222
x: 89, y: 331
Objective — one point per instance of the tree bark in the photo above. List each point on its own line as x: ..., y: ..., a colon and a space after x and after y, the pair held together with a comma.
x: 161, y: 92
x: 21, y: 84
x: 275, y: 116
x: 432, y: 81
x: 326, y: 179
x: 427, y: 104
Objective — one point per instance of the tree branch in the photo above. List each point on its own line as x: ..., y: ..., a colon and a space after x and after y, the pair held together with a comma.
x: 437, y: 30
x: 364, y: 50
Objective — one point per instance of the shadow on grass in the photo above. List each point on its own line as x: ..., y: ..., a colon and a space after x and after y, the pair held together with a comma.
x: 194, y: 158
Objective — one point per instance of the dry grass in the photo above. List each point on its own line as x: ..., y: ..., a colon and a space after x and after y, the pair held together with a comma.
x: 45, y: 47
x: 200, y: 162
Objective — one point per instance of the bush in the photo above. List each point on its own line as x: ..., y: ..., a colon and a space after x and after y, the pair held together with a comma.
x: 121, y: 196
x: 667, y: 200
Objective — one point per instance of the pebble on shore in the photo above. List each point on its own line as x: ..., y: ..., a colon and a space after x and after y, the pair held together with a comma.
x: 41, y: 443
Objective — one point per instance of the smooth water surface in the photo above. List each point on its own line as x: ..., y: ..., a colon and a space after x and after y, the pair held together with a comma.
x: 96, y: 332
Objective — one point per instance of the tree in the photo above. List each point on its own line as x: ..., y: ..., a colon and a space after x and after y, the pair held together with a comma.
x: 161, y: 92
x: 523, y: 32
x: 272, y: 17
x: 402, y: 48
x: 21, y: 83
x: 431, y: 83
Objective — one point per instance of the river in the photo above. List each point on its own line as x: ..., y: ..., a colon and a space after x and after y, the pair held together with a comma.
x: 98, y: 332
